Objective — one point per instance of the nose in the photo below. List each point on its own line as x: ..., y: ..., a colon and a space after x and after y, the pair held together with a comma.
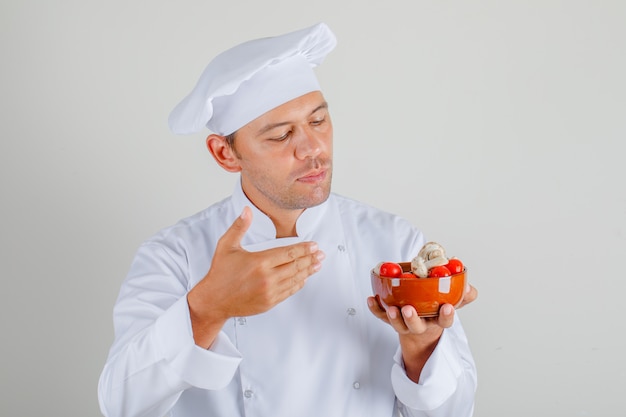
x: 308, y: 145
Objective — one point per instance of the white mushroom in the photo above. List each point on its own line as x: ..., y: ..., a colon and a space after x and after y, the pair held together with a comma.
x: 432, y: 254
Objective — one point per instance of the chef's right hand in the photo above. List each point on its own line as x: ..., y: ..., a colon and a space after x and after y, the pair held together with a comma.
x: 241, y: 283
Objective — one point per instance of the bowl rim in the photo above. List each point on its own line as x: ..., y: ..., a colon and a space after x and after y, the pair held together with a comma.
x: 406, y: 267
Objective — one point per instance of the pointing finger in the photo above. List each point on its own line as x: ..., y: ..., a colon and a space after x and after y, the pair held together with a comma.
x: 232, y: 237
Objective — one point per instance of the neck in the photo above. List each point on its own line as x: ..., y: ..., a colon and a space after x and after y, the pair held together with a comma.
x: 285, y: 223
x: 284, y: 220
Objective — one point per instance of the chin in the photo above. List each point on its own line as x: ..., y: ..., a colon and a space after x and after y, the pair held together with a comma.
x: 318, y: 196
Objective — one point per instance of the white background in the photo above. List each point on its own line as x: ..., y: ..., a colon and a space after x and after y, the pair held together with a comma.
x: 494, y: 126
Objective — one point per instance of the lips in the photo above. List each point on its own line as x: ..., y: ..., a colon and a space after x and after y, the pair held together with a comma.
x: 313, y: 176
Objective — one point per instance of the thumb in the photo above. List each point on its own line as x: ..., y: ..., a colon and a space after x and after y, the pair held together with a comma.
x: 232, y: 237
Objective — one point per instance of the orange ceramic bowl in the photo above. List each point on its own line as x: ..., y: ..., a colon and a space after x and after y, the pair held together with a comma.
x: 427, y: 295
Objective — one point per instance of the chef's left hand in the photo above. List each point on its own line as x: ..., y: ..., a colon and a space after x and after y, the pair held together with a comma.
x: 418, y: 335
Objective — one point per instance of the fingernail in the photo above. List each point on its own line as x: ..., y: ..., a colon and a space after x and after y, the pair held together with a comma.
x: 467, y: 288
x: 447, y: 309
x: 370, y: 302
x: 320, y: 255
x: 408, y: 312
x: 313, y: 247
x: 392, y: 313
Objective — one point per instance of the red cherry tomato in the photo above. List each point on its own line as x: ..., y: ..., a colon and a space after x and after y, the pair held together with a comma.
x: 439, y: 271
x: 455, y: 266
x: 390, y: 270
x: 408, y: 275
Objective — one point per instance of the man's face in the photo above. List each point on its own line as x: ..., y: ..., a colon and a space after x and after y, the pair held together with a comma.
x: 285, y: 155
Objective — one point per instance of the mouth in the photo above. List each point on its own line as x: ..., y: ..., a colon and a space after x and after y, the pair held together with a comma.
x: 314, y: 177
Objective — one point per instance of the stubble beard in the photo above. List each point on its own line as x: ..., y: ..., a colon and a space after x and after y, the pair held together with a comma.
x: 289, y: 198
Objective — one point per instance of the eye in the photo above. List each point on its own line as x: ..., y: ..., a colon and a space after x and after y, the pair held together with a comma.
x: 282, y: 137
x: 318, y: 122
x: 319, y: 116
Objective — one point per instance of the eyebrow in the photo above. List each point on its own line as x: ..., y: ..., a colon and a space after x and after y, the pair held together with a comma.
x: 271, y: 126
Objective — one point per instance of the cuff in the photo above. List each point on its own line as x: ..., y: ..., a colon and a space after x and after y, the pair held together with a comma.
x: 438, y: 380
x: 206, y: 369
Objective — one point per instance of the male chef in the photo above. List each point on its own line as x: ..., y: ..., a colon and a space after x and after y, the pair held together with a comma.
x: 260, y: 305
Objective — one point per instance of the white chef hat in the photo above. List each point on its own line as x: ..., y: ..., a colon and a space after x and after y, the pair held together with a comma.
x: 252, y: 78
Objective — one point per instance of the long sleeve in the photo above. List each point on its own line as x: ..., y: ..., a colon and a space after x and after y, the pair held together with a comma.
x: 154, y: 358
x: 321, y: 342
x: 448, y: 381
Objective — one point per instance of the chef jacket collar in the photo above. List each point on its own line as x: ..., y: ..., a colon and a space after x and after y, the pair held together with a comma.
x: 262, y: 229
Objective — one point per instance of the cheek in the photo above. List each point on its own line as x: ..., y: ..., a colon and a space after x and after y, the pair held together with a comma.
x: 328, y: 145
x: 328, y: 138
x: 265, y: 167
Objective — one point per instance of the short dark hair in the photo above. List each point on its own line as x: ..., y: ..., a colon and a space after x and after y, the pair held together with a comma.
x: 230, y: 140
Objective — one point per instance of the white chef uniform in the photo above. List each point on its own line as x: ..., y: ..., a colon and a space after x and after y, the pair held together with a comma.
x: 318, y: 353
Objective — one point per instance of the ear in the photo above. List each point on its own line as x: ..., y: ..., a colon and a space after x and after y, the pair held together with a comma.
x: 223, y: 154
